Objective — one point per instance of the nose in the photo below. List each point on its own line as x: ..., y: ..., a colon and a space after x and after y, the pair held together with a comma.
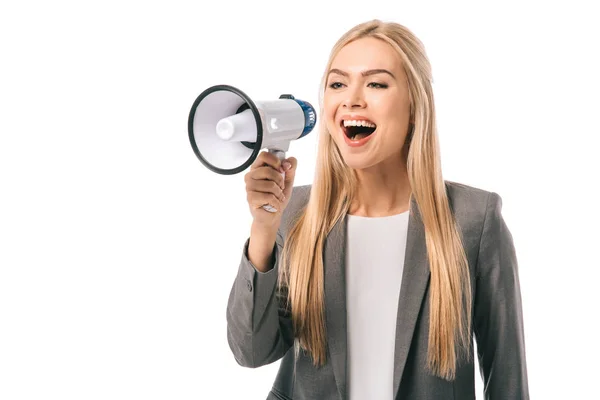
x: 354, y: 98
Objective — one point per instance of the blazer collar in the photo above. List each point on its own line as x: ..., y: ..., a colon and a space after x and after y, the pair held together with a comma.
x: 412, y: 291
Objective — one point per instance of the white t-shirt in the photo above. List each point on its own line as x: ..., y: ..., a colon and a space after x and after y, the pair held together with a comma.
x: 375, y: 250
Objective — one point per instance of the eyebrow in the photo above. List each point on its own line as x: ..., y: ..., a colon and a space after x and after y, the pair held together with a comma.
x: 363, y: 73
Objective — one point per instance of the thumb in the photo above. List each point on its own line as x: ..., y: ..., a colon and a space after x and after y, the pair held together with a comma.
x: 290, y: 174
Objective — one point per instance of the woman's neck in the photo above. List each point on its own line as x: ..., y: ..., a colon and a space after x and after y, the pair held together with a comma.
x: 381, y: 193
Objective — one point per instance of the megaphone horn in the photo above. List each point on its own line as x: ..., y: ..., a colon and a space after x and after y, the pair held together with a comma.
x: 227, y: 130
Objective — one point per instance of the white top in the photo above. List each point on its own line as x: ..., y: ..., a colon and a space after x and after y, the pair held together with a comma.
x: 375, y: 250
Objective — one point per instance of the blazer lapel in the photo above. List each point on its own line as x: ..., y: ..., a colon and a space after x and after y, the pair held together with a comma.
x: 415, y: 277
x: 335, y: 301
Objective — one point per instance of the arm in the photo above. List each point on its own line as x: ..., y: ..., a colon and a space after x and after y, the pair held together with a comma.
x: 259, y: 332
x: 498, y: 315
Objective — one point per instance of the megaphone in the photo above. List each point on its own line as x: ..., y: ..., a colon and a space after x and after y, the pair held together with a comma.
x: 227, y: 129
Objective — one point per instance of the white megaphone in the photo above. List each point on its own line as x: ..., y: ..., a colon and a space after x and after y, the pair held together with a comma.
x: 227, y: 130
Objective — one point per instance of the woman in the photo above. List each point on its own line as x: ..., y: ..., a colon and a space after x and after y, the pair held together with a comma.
x: 379, y: 273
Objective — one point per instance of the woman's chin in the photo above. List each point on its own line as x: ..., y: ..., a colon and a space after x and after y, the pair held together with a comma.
x: 357, y: 161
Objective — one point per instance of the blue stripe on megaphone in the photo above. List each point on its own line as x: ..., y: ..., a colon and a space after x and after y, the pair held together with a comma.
x: 310, y: 116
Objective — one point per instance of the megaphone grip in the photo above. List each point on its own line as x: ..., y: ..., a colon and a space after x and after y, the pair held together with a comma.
x: 281, y: 155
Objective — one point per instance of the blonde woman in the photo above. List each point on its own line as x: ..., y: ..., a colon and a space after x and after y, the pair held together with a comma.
x: 373, y: 282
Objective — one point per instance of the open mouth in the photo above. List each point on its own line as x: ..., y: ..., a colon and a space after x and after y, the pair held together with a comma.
x: 358, y: 129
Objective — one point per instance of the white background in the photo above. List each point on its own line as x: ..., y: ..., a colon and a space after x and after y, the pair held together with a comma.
x: 118, y: 248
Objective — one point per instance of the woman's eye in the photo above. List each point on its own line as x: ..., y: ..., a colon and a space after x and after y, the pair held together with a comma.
x: 378, y: 85
x: 335, y: 85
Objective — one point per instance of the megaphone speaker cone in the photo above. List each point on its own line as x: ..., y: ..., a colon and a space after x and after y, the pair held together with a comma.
x: 213, y: 117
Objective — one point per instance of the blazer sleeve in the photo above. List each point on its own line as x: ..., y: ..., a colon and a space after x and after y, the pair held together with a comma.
x: 259, y: 329
x: 498, y: 315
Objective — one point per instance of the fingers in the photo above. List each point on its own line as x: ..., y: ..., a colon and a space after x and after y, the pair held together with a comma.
x: 264, y: 173
x: 290, y: 172
x: 258, y: 199
x: 270, y: 181
x: 264, y: 183
x: 266, y: 158
x: 265, y: 186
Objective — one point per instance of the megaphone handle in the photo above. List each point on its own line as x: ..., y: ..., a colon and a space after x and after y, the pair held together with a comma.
x: 281, y: 155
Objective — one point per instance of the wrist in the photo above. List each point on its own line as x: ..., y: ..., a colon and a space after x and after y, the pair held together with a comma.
x: 264, y: 229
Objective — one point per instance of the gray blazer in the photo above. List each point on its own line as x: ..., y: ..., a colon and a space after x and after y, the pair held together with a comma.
x: 259, y: 331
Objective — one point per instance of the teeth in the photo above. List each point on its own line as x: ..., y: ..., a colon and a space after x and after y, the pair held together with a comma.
x: 352, y: 122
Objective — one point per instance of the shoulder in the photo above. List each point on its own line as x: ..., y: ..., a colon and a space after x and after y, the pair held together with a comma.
x: 472, y: 205
x: 466, y: 197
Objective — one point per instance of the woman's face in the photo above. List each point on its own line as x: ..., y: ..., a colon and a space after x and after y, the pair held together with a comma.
x: 366, y: 103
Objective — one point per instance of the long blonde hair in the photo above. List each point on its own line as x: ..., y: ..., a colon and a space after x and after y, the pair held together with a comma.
x: 301, y: 272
